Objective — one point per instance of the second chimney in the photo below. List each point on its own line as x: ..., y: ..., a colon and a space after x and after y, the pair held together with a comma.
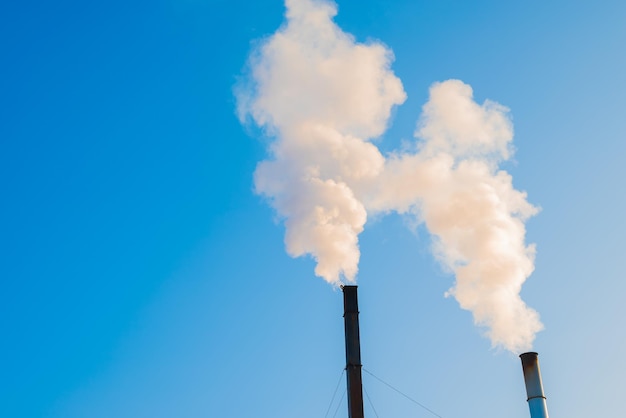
x: 534, y: 386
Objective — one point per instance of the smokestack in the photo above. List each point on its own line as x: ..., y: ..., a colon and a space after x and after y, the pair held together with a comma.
x: 534, y: 386
x: 353, y: 352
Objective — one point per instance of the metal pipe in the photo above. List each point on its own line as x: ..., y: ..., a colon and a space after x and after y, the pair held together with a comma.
x: 353, y: 352
x: 534, y: 386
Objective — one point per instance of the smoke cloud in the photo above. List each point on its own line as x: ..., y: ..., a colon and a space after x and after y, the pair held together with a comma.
x: 322, y: 96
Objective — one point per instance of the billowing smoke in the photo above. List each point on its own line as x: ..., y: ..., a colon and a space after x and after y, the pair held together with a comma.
x: 323, y: 97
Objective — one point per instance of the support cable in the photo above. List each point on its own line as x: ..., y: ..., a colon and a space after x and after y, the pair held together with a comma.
x: 367, y: 395
x: 340, y: 401
x: 401, y: 393
x: 335, y: 393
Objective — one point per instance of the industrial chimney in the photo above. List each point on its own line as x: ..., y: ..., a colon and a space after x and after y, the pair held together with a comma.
x: 353, y: 352
x: 534, y: 386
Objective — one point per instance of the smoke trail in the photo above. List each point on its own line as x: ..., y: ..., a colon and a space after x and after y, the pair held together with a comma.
x: 323, y: 96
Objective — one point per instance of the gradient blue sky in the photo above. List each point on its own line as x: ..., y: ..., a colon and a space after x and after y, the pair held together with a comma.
x: 141, y: 277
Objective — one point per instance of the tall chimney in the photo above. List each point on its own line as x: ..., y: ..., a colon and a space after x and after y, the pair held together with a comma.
x: 534, y: 386
x: 353, y: 352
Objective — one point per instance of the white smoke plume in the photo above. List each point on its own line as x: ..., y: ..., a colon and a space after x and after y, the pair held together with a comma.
x: 323, y: 97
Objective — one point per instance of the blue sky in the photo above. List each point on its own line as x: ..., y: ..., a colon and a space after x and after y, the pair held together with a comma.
x: 142, y: 277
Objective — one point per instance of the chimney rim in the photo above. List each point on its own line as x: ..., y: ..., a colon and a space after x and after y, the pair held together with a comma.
x: 529, y: 354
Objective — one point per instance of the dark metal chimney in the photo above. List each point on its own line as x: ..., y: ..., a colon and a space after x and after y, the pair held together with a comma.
x: 353, y: 352
x: 534, y: 386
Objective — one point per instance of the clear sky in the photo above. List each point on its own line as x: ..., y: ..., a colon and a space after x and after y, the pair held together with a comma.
x: 143, y: 277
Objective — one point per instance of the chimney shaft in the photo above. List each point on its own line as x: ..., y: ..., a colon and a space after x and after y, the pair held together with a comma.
x: 353, y: 352
x: 534, y: 386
